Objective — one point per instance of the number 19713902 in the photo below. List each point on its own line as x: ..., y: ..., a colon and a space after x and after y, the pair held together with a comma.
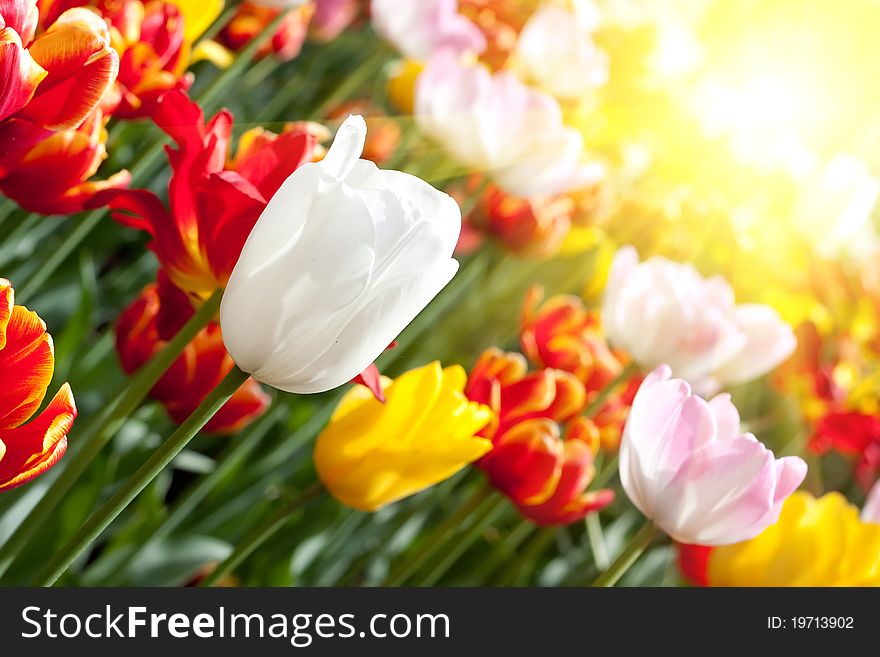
x: 810, y: 623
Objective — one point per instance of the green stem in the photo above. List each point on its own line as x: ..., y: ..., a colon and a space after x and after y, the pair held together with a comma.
x: 527, y: 557
x: 599, y: 401
x: 609, y: 469
x: 103, y: 427
x: 507, y: 549
x: 633, y: 550
x: 351, y: 84
x: 237, y: 452
x: 474, y: 197
x: 484, y: 516
x: 597, y: 540
x: 261, y: 534
x: 433, y: 543
x: 101, y: 519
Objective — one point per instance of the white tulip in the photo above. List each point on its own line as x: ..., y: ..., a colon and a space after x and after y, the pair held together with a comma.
x: 664, y: 312
x: 341, y: 260
x: 557, y: 51
x: 497, y: 124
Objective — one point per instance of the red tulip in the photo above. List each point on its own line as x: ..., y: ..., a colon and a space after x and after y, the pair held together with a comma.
x: 693, y: 561
x: 51, y: 129
x: 153, y: 51
x: 852, y: 434
x: 143, y: 329
x: 213, y: 203
x: 49, y: 171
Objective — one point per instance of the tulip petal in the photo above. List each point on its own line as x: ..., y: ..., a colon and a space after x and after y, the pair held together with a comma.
x: 769, y: 341
x: 21, y: 16
x: 33, y: 448
x: 19, y: 74
x: 726, y: 492
x: 373, y: 454
x: 81, y: 67
x: 27, y: 363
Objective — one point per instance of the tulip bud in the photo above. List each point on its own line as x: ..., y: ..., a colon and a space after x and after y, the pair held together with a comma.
x: 343, y: 257
x: 685, y: 465
x: 372, y: 454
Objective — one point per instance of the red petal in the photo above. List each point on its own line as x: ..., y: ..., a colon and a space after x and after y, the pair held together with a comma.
x: 19, y: 74
x: 27, y: 363
x: 21, y: 16
x: 82, y: 66
x: 33, y: 448
x: 372, y: 379
x: 693, y: 561
x: 271, y: 161
x: 526, y: 462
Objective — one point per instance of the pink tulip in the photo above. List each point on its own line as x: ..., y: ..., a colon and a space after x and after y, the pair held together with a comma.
x: 494, y: 123
x: 331, y: 17
x: 420, y: 28
x: 665, y: 312
x: 685, y: 465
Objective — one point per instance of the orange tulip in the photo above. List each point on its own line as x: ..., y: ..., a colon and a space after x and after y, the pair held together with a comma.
x: 154, y: 53
x: 251, y: 18
x: 51, y: 130
x: 562, y: 333
x: 535, y: 226
x: 49, y: 171
x: 27, y: 362
x: 542, y: 450
x: 143, y: 329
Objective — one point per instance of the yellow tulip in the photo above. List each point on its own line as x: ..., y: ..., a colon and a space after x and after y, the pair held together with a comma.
x: 817, y: 542
x: 402, y: 84
x: 372, y: 454
x: 197, y: 16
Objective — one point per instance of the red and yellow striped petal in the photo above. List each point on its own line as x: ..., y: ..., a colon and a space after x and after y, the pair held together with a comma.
x: 27, y: 362
x: 526, y: 463
x: 19, y: 74
x: 81, y: 67
x: 31, y: 449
